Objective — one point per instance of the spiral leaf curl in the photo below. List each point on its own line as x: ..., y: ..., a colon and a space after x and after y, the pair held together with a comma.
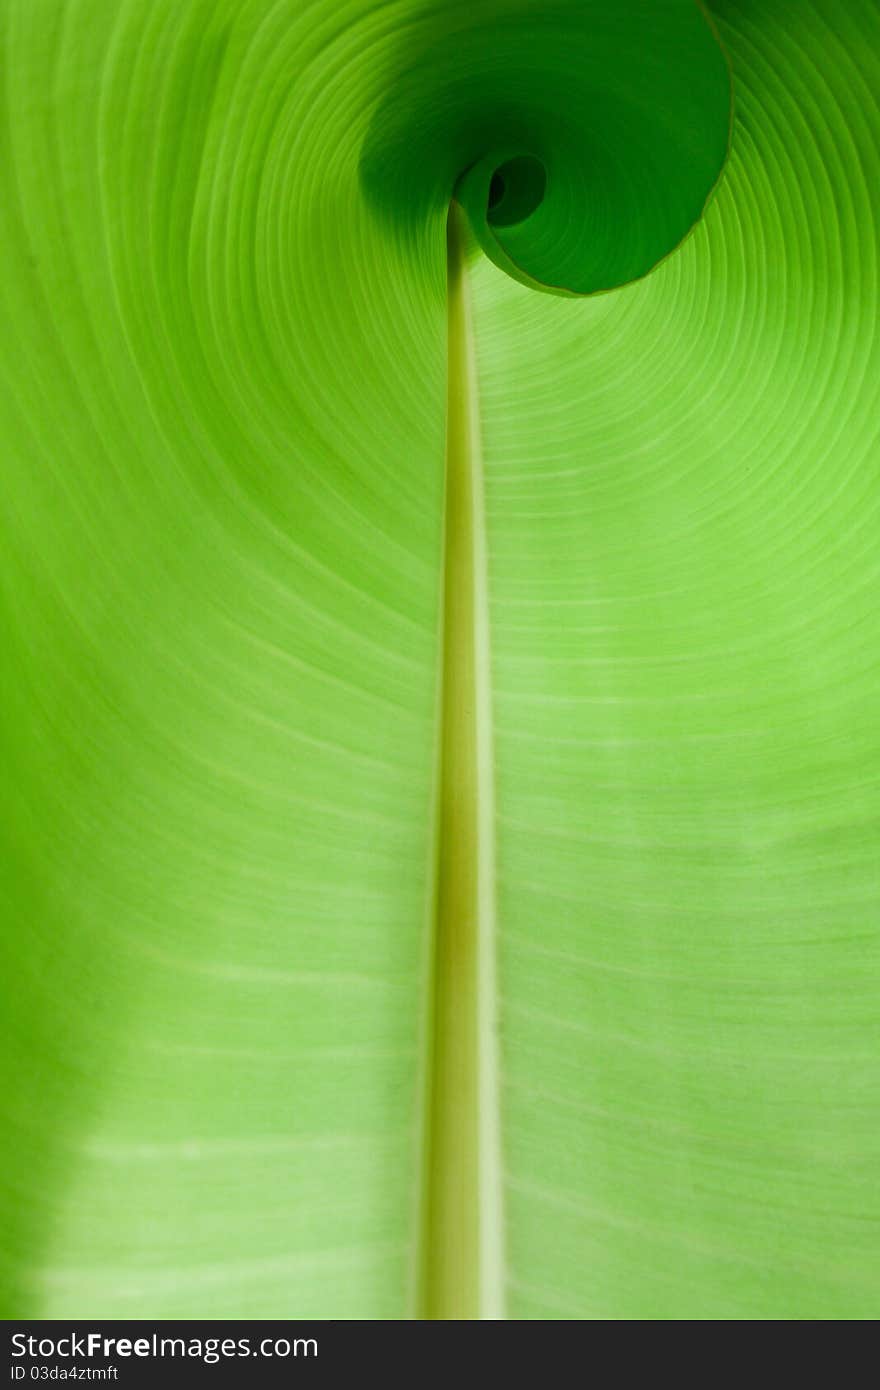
x: 583, y: 139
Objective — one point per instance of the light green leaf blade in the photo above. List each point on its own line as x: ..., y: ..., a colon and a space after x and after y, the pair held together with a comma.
x: 683, y: 510
x: 221, y: 591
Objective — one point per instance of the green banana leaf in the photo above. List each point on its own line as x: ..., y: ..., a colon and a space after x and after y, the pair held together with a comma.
x: 277, y: 699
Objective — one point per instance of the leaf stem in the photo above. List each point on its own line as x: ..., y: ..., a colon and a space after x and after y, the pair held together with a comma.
x: 462, y: 1267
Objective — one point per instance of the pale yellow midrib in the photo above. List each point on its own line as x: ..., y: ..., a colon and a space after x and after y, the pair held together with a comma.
x: 462, y: 1255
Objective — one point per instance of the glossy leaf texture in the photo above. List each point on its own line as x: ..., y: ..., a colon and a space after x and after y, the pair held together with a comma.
x: 223, y: 397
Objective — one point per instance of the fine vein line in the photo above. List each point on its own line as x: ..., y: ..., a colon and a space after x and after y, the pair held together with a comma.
x: 462, y: 1257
